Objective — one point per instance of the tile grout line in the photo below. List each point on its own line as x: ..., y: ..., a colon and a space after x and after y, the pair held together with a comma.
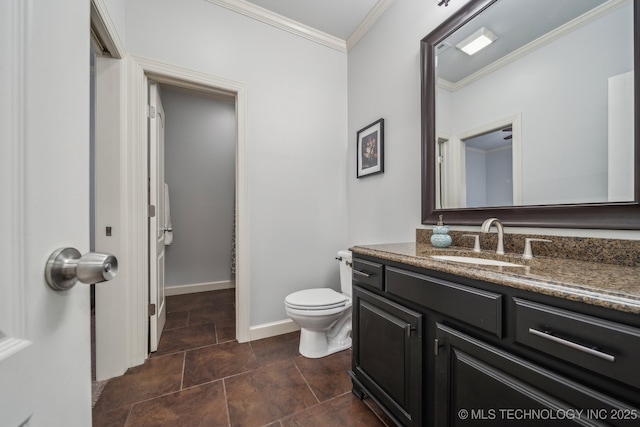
x: 128, y: 415
x: 304, y: 379
x: 318, y: 404
x: 184, y: 364
x: 226, y: 401
x: 190, y: 349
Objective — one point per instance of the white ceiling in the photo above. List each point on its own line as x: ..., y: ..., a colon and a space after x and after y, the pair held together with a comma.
x: 339, y: 18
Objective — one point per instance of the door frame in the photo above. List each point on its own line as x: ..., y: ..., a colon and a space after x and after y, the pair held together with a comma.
x: 128, y: 340
x: 163, y: 73
x: 455, y: 160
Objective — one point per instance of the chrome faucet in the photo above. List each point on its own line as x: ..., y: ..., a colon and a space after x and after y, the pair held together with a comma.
x: 486, y: 226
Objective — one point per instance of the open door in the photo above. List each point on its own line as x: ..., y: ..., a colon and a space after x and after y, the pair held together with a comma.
x: 45, y: 362
x: 157, y: 311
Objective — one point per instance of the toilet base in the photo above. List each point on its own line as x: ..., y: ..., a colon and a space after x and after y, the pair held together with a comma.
x: 314, y: 344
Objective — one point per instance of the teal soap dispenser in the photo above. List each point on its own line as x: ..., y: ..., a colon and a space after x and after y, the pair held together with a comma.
x: 440, y: 237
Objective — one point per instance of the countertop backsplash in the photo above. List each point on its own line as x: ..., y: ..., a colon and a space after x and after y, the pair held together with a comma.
x: 608, y: 251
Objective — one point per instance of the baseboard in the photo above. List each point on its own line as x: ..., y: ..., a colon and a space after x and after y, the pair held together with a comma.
x: 272, y: 329
x: 198, y: 287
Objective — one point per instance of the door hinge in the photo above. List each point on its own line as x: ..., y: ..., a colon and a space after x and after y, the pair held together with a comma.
x: 152, y: 211
x: 152, y: 310
x: 151, y: 112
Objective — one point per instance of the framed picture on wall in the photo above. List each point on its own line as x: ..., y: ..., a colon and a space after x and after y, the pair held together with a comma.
x: 370, y: 149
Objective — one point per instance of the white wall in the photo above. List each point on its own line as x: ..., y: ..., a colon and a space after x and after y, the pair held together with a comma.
x: 297, y: 127
x: 200, y: 142
x: 384, y: 81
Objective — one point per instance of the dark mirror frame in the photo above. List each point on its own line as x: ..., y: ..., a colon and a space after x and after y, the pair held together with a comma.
x: 622, y: 216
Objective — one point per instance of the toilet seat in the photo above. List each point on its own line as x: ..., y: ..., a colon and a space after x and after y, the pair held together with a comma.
x: 316, y: 299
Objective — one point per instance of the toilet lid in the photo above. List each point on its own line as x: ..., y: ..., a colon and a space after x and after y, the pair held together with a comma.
x: 316, y: 299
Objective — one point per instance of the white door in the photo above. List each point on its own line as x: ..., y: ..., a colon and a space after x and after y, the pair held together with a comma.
x: 157, y: 312
x: 45, y: 363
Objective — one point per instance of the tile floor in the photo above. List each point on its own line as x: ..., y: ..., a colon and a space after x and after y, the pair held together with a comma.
x: 201, y: 376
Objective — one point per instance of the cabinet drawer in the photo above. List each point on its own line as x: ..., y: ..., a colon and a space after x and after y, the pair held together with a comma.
x: 476, y: 307
x: 367, y: 273
x: 598, y: 345
x: 497, y: 384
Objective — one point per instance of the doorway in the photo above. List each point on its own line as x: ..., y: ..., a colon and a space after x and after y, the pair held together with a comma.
x: 482, y: 166
x: 122, y: 342
x: 121, y: 206
x: 199, y: 174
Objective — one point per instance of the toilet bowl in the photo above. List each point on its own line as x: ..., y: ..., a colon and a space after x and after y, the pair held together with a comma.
x: 324, y: 315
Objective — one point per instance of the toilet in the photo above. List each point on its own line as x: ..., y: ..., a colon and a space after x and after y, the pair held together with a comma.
x: 324, y: 315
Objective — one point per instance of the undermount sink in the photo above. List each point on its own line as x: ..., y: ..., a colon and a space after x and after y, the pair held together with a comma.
x: 473, y: 260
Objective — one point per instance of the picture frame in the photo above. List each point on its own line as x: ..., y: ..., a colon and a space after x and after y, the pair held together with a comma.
x: 370, y: 149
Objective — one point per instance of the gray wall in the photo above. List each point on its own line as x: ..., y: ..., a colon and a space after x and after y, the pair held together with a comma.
x: 200, y: 140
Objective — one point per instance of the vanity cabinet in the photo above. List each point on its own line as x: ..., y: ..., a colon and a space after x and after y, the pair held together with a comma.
x: 387, y: 355
x: 436, y: 349
x: 477, y: 383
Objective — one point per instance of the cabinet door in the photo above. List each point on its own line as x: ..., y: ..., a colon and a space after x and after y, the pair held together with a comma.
x: 387, y: 354
x: 477, y: 384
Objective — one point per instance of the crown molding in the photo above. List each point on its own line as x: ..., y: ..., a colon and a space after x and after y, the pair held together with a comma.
x: 368, y: 22
x: 263, y: 15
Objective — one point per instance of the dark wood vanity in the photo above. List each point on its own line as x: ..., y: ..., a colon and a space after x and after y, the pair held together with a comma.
x: 552, y: 341
x: 440, y: 344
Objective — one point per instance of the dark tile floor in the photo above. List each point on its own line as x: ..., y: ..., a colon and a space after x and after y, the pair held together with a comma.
x: 201, y: 376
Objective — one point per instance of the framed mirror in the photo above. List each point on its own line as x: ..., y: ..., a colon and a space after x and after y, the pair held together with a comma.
x: 539, y: 128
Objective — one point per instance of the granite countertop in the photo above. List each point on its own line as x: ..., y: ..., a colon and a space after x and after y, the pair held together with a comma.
x: 607, y: 285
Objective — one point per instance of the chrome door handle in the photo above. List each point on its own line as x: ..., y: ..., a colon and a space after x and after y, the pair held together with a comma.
x: 66, y: 266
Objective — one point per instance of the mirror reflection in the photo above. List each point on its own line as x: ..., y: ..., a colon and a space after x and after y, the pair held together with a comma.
x: 542, y: 114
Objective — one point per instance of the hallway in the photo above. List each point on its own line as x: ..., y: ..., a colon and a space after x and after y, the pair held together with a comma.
x: 201, y: 376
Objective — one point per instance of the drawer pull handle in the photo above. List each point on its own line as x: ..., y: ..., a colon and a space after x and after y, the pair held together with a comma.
x: 360, y: 273
x: 547, y: 335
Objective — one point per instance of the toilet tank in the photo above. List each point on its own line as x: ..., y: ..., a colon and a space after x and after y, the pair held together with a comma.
x: 345, y: 259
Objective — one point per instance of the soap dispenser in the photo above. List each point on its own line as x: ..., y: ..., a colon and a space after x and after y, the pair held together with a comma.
x: 440, y: 237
